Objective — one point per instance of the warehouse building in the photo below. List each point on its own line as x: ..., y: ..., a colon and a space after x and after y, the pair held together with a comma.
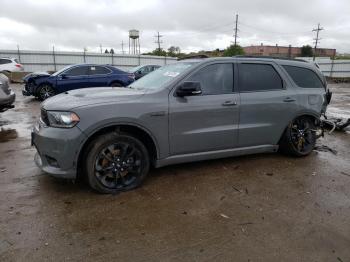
x: 284, y: 51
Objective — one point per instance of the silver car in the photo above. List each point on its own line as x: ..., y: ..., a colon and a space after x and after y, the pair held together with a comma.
x: 189, y: 111
x: 7, y: 96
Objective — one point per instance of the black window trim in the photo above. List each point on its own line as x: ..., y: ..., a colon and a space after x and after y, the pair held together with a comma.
x: 284, y: 85
x: 210, y: 64
x: 291, y: 78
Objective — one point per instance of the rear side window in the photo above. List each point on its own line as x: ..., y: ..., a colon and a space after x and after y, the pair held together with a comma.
x: 304, y: 77
x: 77, y: 71
x: 215, y: 79
x: 258, y: 77
x: 99, y: 70
x: 5, y: 61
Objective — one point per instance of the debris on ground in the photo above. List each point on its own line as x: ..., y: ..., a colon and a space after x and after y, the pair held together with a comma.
x: 345, y: 174
x: 338, y: 124
x: 324, y: 148
x: 224, y: 216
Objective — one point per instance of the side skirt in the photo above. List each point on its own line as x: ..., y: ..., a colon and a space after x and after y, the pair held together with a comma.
x: 177, y: 159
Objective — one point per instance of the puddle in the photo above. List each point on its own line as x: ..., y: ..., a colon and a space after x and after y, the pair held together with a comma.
x: 7, y: 134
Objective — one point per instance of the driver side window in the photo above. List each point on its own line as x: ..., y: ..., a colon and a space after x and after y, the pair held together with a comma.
x: 214, y: 79
x: 77, y: 71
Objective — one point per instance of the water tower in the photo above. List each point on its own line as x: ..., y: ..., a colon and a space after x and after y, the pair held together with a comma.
x: 134, y: 42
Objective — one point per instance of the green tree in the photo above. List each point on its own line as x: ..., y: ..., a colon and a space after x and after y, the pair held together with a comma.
x: 306, y: 51
x: 233, y: 50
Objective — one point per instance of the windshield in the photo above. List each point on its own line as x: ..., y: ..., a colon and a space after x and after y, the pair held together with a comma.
x: 161, y: 76
x: 134, y: 69
x: 61, y: 70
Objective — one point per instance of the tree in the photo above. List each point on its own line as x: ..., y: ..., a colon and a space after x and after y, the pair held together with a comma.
x: 174, y: 51
x: 233, y: 50
x: 112, y: 51
x: 106, y: 51
x: 306, y: 51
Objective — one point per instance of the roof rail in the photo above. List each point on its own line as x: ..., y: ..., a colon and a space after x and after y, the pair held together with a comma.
x: 269, y: 57
x: 193, y: 57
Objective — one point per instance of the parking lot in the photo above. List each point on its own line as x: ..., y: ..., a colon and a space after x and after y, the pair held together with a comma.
x: 253, y: 208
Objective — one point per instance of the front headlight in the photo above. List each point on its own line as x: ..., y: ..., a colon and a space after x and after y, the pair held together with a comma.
x: 62, y: 119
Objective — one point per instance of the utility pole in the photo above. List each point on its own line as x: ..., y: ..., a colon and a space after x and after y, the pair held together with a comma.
x: 158, y: 41
x: 123, y: 52
x: 236, y: 30
x: 101, y: 48
x: 317, y: 39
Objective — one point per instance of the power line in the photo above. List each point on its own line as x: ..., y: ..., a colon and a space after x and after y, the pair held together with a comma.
x: 158, y: 41
x: 317, y: 39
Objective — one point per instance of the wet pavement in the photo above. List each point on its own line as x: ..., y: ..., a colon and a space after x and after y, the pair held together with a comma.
x: 253, y: 208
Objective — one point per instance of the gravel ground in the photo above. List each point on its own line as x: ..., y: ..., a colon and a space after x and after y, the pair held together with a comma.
x: 254, y: 208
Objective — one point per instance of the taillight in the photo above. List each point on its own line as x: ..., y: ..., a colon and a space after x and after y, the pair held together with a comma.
x: 19, y: 65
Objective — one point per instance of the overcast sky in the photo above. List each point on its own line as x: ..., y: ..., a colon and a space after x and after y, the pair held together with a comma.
x: 191, y: 25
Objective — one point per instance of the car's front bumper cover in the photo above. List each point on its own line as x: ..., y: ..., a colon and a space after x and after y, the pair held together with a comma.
x: 57, y: 149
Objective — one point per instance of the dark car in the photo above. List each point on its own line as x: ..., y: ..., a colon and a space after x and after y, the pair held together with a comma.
x: 44, y: 85
x: 143, y: 70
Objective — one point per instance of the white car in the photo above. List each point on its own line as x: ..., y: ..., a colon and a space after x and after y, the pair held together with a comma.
x: 10, y: 65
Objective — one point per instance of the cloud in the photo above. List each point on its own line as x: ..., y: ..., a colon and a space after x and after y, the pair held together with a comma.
x: 192, y: 25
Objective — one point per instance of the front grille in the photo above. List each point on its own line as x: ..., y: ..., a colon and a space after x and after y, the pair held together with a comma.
x: 44, y: 117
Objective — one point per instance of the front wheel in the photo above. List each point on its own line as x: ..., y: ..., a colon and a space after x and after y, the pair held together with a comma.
x: 45, y: 91
x: 299, y: 138
x: 116, y: 162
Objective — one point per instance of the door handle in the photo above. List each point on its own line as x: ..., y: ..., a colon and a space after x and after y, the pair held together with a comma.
x: 229, y: 103
x: 288, y: 100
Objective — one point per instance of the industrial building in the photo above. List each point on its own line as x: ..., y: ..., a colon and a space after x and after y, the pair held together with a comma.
x: 284, y: 51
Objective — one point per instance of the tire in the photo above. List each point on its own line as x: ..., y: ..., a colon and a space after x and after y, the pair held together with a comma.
x: 116, y: 84
x: 45, y: 91
x: 116, y: 162
x: 299, y: 138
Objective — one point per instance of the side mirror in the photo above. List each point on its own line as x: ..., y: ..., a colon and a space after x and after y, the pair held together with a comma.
x: 63, y: 76
x: 189, y: 89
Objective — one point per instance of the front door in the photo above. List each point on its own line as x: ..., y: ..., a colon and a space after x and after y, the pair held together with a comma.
x: 73, y: 78
x: 208, y: 121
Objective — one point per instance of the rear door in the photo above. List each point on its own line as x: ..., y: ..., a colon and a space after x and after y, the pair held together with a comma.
x: 73, y: 78
x: 208, y: 121
x: 99, y: 76
x: 268, y: 103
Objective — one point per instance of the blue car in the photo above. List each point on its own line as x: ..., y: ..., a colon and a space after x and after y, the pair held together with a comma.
x: 44, y: 85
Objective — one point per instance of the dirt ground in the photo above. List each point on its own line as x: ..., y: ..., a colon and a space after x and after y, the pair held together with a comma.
x: 254, y: 208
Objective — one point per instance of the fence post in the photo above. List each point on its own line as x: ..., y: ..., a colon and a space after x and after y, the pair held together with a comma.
x: 139, y: 59
x: 112, y: 58
x: 165, y: 60
x: 54, y: 58
x: 332, y: 66
x: 19, y: 55
x: 84, y: 56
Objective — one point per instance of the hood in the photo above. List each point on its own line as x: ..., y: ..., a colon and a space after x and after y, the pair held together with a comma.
x: 35, y: 75
x: 90, y: 96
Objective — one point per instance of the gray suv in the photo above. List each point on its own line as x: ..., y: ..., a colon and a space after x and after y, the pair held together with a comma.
x: 192, y: 110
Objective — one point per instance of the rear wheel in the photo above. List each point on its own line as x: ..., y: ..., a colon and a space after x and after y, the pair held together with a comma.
x: 45, y: 91
x: 116, y: 162
x: 116, y: 84
x: 299, y: 138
